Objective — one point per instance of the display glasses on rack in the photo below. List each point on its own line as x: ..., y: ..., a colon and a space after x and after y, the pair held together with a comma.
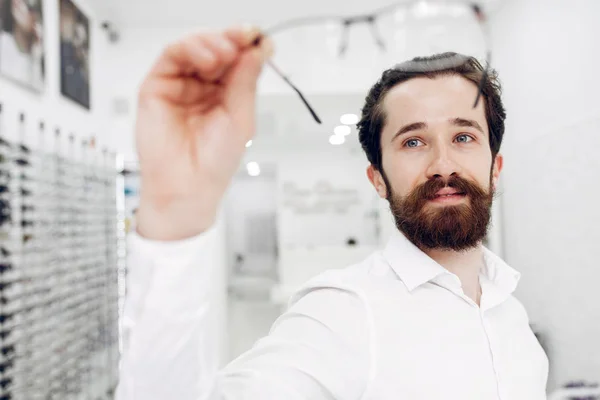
x: 58, y: 277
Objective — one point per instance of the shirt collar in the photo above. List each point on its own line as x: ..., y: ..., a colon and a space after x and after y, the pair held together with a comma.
x: 499, y: 272
x: 415, y: 268
x: 410, y: 263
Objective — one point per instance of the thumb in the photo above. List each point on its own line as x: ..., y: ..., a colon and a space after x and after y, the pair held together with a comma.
x: 241, y: 80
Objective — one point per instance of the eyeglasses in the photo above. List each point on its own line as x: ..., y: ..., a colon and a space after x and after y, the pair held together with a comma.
x: 372, y: 19
x: 57, y: 304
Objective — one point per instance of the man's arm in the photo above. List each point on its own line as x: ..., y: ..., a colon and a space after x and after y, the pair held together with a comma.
x: 167, y: 347
x: 196, y: 112
x: 319, y: 349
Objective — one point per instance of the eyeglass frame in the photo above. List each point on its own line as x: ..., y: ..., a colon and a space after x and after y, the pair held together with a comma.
x: 371, y: 18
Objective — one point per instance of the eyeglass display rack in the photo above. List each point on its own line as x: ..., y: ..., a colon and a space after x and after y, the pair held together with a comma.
x: 59, y: 294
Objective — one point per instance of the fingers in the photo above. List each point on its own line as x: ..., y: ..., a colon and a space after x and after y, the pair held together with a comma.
x: 225, y: 53
x: 187, y: 57
x: 240, y: 82
x: 257, y: 49
x: 183, y: 91
x: 200, y: 64
x: 207, y: 55
x: 243, y: 36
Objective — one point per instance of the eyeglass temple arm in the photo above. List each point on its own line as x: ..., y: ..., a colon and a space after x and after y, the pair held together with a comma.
x: 286, y: 79
x: 482, y: 20
x: 372, y: 20
x: 344, y: 40
x: 484, y: 78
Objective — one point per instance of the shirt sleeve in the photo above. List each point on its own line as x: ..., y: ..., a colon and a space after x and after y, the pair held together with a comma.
x: 318, y: 350
x: 168, y: 351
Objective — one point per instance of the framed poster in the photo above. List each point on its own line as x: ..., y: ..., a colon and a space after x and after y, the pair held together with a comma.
x: 74, y: 54
x: 22, y: 43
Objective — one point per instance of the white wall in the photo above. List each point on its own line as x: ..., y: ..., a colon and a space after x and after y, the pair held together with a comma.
x: 547, y: 55
x: 50, y: 106
x: 251, y: 314
x: 324, y: 198
x: 249, y: 201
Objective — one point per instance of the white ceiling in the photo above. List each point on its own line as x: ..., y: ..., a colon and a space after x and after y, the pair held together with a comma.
x: 203, y: 13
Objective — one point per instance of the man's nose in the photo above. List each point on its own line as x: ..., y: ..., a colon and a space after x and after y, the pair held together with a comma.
x: 442, y: 164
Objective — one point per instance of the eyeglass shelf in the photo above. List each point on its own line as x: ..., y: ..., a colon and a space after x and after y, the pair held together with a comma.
x: 59, y: 294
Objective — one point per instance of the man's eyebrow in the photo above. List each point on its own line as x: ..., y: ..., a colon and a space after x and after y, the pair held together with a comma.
x: 415, y: 126
x: 469, y: 123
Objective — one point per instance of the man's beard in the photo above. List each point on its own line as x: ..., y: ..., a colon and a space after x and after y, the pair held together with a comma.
x: 454, y: 227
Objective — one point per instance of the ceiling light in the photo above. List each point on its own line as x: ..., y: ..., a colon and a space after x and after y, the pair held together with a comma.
x: 249, y: 143
x: 336, y: 140
x: 342, y: 130
x: 253, y: 168
x: 349, y: 119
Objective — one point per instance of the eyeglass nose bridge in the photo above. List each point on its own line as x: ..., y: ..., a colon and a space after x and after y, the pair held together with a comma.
x: 369, y: 19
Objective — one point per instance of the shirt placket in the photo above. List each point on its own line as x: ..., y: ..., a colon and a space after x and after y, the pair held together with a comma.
x: 489, y: 339
x: 490, y: 298
x: 452, y: 283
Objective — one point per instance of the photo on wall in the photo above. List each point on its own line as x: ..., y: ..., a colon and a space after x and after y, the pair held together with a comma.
x: 22, y: 57
x: 74, y: 54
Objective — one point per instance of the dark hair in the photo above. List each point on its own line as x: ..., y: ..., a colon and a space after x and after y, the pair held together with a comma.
x: 373, y: 116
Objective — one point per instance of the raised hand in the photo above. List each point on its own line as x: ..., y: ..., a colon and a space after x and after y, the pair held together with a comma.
x: 196, y: 112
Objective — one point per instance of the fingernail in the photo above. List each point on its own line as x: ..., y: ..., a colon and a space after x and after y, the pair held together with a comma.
x: 247, y: 27
x: 250, y: 32
x: 225, y: 45
x: 207, y: 56
x: 267, y: 48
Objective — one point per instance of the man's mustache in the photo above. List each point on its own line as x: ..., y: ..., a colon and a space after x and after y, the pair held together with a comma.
x: 428, y: 190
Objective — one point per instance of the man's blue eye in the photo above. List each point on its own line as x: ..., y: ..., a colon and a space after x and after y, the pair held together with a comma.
x: 464, y: 138
x: 412, y: 143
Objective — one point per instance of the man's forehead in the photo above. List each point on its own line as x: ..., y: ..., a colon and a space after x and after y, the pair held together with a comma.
x: 423, y: 98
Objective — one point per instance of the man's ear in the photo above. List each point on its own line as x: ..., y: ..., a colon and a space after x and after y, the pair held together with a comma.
x: 377, y: 181
x: 498, y: 164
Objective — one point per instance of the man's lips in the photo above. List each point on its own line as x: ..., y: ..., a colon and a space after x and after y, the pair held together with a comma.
x: 448, y: 195
x: 447, y: 192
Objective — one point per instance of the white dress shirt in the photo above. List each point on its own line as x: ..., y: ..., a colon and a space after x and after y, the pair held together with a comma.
x: 394, y: 326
